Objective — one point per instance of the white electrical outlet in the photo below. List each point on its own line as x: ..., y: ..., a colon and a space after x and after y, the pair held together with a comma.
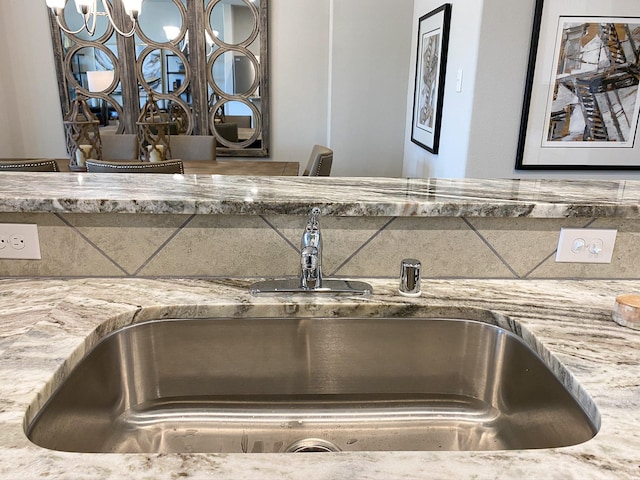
x: 586, y: 245
x: 19, y: 240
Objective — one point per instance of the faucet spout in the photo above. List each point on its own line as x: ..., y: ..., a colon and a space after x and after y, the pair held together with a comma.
x: 311, y: 253
x: 310, y: 273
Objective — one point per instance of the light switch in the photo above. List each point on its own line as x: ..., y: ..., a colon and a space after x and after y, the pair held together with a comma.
x: 459, y: 81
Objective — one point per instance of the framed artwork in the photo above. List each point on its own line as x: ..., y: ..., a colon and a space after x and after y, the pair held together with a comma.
x: 582, y: 98
x: 431, y: 61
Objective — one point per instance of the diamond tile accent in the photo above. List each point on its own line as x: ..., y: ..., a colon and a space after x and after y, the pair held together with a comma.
x: 224, y: 245
x: 129, y: 240
x: 447, y: 247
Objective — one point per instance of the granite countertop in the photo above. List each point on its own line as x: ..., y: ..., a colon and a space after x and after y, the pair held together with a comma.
x: 44, y: 321
x: 225, y: 194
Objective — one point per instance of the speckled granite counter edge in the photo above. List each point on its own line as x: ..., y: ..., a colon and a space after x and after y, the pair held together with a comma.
x: 339, y: 196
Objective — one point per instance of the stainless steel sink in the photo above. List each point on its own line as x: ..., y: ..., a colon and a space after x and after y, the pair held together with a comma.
x: 310, y: 384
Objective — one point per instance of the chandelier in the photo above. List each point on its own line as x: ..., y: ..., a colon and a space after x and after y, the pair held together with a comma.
x: 88, y: 10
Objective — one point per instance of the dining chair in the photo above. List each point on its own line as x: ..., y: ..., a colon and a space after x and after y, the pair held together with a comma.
x: 193, y: 147
x: 119, y: 146
x: 320, y: 162
x: 166, y: 166
x: 36, y: 165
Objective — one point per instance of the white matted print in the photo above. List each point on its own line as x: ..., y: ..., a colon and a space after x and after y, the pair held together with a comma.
x: 594, y: 95
x: 582, y: 104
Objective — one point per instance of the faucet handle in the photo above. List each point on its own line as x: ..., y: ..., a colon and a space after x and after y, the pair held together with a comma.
x: 314, y: 218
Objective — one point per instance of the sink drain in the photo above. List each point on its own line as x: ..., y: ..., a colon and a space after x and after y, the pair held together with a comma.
x: 312, y: 445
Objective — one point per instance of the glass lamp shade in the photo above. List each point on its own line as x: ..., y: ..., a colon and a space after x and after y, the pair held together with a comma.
x: 99, y: 80
x: 56, y: 3
x: 171, y: 32
x: 85, y: 6
x: 132, y: 7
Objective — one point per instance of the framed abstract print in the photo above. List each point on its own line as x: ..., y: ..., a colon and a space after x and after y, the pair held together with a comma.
x: 431, y: 62
x: 582, y: 98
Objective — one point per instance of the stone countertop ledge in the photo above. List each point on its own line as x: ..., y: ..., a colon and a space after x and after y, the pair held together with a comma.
x: 44, y: 322
x: 339, y: 196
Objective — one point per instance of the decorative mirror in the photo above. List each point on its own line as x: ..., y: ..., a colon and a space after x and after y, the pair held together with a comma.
x: 206, y: 62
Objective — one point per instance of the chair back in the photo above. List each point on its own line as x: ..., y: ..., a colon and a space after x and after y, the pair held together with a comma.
x: 243, y: 121
x: 228, y: 131
x: 167, y: 166
x: 38, y: 165
x: 320, y: 162
x: 193, y: 147
x: 119, y: 146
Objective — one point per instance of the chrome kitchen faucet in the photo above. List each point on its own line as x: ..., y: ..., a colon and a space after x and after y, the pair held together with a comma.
x: 311, y: 279
x: 311, y: 253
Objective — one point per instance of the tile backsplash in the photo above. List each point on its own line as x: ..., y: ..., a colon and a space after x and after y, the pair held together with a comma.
x: 112, y: 245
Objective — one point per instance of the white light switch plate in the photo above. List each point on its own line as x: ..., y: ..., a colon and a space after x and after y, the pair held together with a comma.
x: 20, y: 241
x: 459, y: 81
x: 586, y: 245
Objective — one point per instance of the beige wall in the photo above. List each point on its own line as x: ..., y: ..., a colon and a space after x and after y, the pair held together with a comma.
x: 119, y: 245
x: 31, y: 123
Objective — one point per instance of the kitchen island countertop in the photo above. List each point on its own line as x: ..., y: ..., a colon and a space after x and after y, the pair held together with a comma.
x: 45, y: 322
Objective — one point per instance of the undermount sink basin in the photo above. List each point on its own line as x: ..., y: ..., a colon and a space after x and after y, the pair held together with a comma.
x: 310, y: 384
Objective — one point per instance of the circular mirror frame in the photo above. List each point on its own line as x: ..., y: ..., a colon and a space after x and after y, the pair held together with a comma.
x: 244, y: 43
x: 183, y: 28
x: 216, y: 88
x: 73, y: 82
x: 256, y: 118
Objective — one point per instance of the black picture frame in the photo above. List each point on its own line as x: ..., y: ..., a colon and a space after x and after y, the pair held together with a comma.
x: 582, y: 99
x: 431, y: 66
